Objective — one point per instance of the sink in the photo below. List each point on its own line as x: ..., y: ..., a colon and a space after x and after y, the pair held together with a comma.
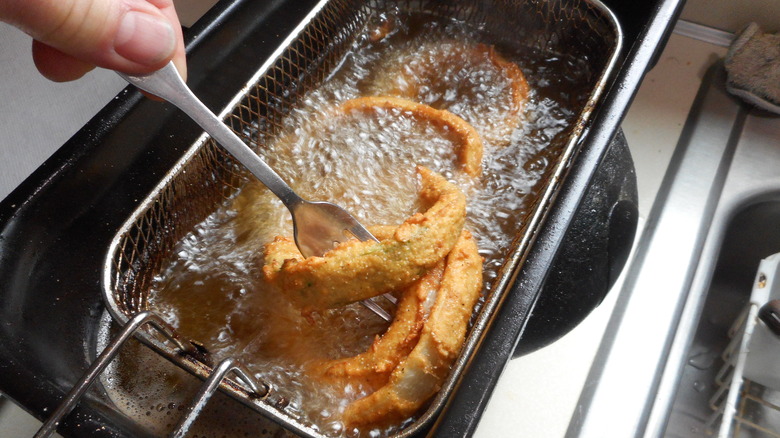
x: 716, y: 216
x: 751, y: 235
x: 743, y: 232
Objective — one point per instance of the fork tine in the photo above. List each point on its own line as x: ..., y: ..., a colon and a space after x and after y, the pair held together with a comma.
x: 360, y: 232
x: 391, y: 298
x: 377, y: 309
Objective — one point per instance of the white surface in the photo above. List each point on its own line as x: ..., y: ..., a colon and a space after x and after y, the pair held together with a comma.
x: 656, y: 118
x: 189, y: 11
x: 537, y: 394
x: 38, y: 116
x: 16, y: 423
x: 733, y: 15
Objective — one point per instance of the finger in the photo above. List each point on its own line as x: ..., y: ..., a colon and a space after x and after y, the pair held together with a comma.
x: 133, y: 36
x: 58, y: 66
x: 179, y: 57
x: 61, y: 67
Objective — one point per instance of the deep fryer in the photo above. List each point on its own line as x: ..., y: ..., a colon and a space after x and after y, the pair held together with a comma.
x: 40, y: 199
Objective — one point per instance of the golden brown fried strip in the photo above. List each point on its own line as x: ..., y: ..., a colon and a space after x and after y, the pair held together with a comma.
x: 466, y: 138
x: 517, y: 83
x: 451, y: 75
x: 419, y: 377
x: 354, y: 270
x: 257, y: 206
x: 373, y: 367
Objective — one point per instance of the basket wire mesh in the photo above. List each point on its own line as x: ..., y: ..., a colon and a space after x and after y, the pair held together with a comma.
x: 206, y: 176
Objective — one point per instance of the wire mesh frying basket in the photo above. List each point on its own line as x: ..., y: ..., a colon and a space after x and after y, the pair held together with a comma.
x: 206, y: 177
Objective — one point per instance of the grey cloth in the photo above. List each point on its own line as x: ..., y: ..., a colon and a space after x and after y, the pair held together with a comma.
x: 753, y: 67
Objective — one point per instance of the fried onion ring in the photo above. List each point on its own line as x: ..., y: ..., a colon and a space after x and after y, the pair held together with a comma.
x: 354, y: 270
x: 419, y: 376
x: 462, y: 134
x: 452, y: 75
x: 257, y: 206
x: 373, y: 367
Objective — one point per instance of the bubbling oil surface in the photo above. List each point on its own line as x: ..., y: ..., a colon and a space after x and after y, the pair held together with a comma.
x: 212, y: 289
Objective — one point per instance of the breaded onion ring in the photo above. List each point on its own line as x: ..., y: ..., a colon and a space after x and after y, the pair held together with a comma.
x: 373, y: 367
x: 420, y: 375
x: 257, y: 206
x: 463, y: 135
x: 354, y: 271
x: 470, y: 80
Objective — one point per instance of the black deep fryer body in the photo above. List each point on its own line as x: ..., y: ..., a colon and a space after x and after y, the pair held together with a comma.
x: 55, y: 227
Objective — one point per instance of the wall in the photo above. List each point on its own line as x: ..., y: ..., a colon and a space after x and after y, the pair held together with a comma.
x: 733, y: 15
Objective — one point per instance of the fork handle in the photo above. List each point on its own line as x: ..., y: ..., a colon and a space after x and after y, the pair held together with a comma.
x: 168, y: 84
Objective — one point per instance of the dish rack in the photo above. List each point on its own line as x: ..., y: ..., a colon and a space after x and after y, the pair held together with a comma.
x: 747, y: 400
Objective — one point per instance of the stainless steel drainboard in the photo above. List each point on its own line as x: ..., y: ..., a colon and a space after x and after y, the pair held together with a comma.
x: 716, y: 216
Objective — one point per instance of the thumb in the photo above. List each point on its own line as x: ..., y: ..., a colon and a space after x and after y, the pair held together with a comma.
x: 132, y: 36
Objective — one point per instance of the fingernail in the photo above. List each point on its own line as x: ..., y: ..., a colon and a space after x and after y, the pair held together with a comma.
x: 143, y: 38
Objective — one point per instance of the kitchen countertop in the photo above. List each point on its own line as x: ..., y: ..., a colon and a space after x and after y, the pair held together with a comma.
x: 538, y: 393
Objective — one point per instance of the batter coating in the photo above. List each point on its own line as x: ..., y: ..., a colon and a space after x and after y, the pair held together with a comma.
x: 463, y: 135
x: 423, y: 125
x: 354, y: 270
x: 373, y: 367
x: 419, y: 376
x: 451, y: 75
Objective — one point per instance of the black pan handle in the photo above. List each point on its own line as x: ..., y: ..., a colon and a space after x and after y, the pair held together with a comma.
x: 595, y: 250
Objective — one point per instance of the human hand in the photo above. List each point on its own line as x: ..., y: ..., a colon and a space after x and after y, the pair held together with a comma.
x: 71, y: 37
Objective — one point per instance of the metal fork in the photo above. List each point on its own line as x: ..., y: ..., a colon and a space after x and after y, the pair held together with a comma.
x: 317, y: 226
